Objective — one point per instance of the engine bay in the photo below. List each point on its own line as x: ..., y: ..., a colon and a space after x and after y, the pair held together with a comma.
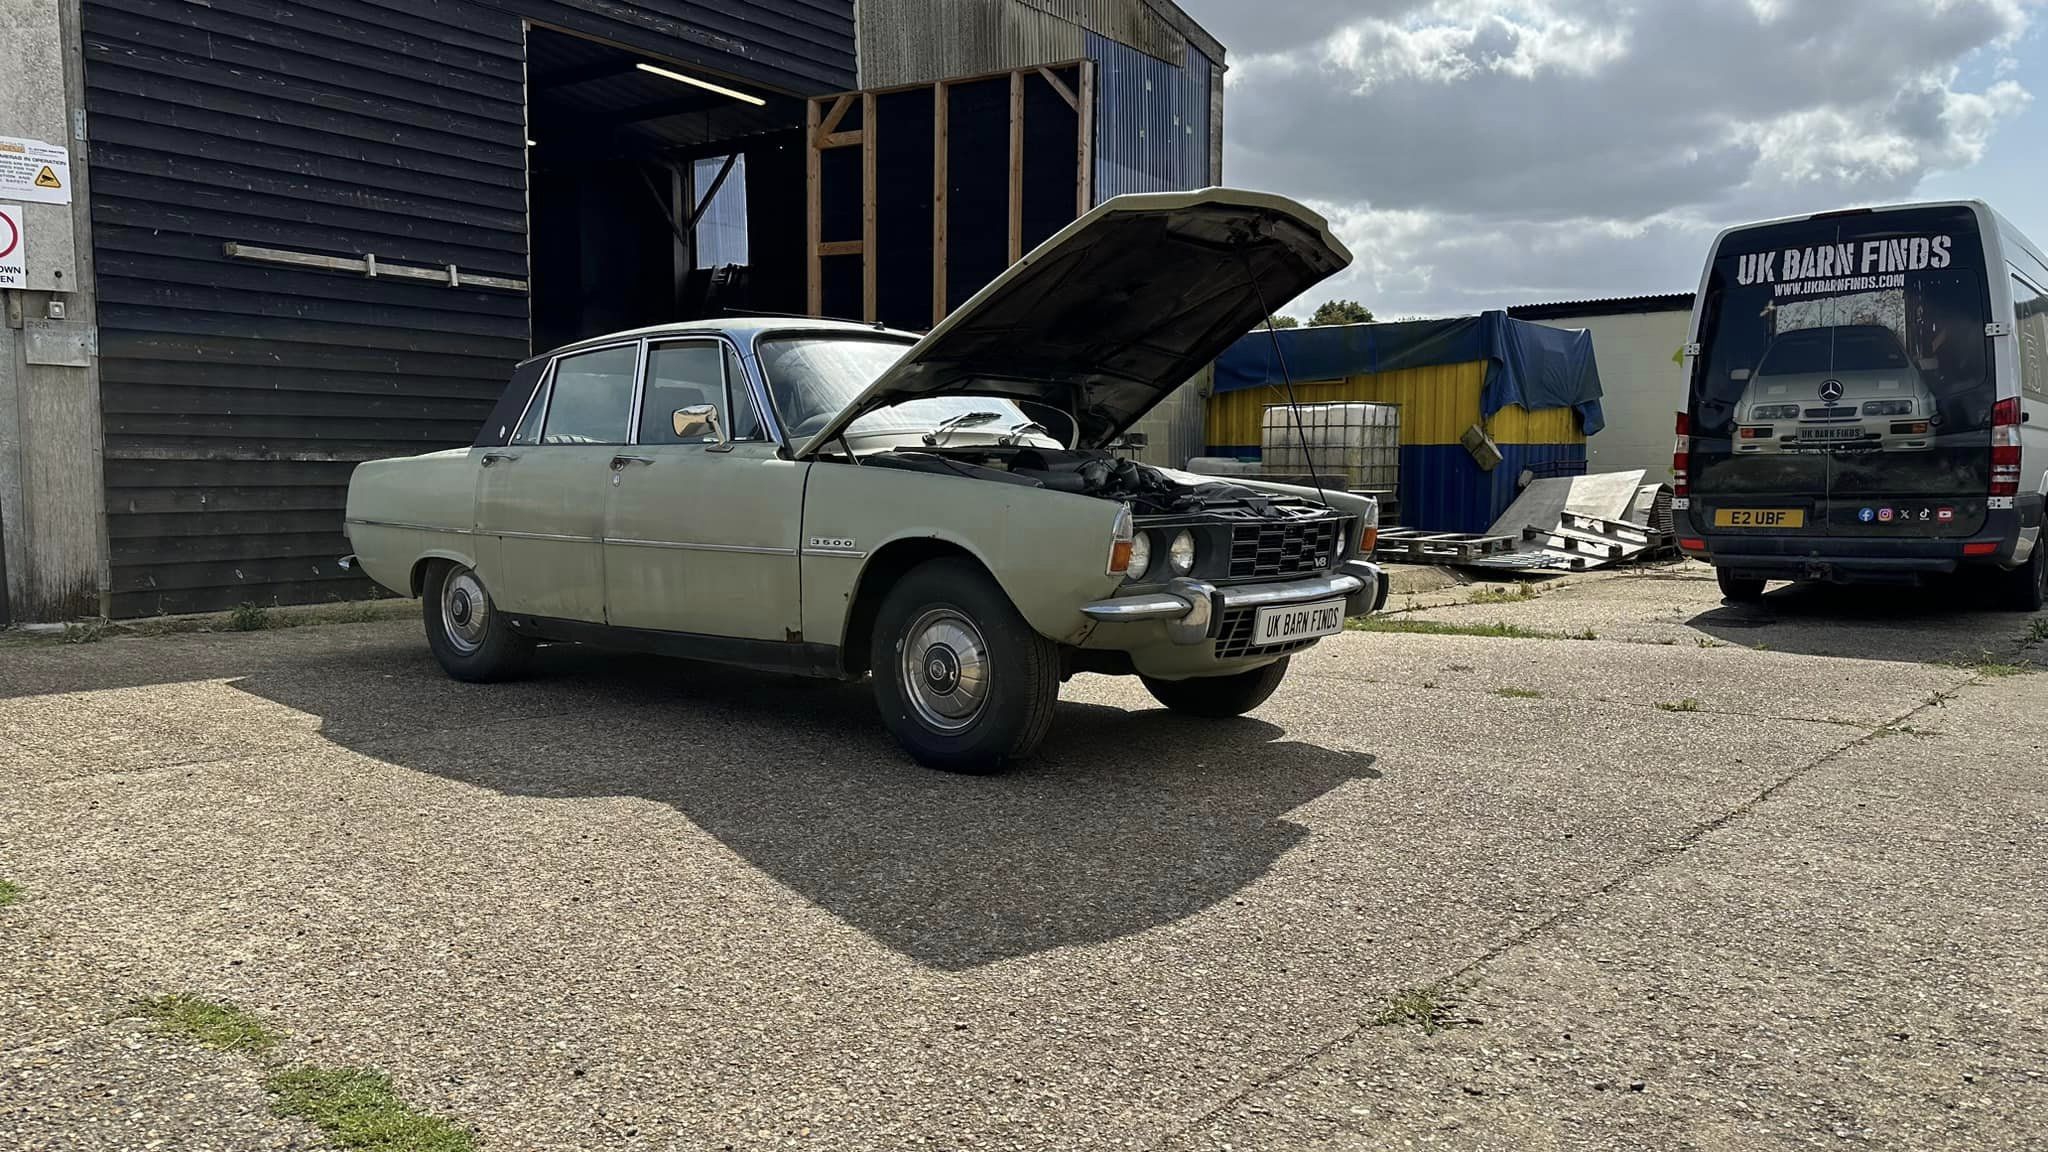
x: 1148, y: 490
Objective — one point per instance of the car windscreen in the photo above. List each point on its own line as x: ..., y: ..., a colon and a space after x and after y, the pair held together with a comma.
x: 812, y: 377
x: 1838, y: 318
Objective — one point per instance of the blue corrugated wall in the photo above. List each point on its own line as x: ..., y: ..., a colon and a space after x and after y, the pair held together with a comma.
x: 1151, y: 121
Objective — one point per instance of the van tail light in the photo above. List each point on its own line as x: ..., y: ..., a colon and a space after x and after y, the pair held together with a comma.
x: 1692, y: 545
x: 1981, y: 548
x: 2005, y: 448
x: 1681, y: 457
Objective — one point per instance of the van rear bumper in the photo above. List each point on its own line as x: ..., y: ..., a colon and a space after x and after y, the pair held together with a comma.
x: 1872, y: 560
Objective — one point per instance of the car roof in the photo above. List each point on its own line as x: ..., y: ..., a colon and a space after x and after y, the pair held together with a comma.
x: 729, y: 325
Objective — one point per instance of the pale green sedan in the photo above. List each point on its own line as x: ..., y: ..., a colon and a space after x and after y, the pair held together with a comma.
x: 948, y: 514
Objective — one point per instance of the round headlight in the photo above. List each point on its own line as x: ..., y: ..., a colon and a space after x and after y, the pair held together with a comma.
x: 1181, y: 553
x: 1141, y: 557
x: 1342, y: 532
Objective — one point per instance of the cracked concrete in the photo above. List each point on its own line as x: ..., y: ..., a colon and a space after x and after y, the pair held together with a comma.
x: 637, y: 904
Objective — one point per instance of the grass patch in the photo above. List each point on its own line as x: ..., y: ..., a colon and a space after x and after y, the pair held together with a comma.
x: 2037, y: 630
x: 1518, y: 693
x: 9, y: 892
x: 1499, y: 629
x: 1686, y: 705
x: 1429, y: 1009
x: 358, y: 1108
x: 221, y: 1026
x: 85, y: 631
x: 1515, y: 595
x: 1987, y: 665
x: 248, y: 618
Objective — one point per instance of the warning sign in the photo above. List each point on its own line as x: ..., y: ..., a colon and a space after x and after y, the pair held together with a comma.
x: 13, y: 249
x: 34, y: 171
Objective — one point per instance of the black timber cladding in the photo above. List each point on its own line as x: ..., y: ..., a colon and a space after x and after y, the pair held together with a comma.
x: 239, y: 396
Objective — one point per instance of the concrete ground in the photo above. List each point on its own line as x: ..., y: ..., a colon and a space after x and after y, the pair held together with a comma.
x: 1719, y: 878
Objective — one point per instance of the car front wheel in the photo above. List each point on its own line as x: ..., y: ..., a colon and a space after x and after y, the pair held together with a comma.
x: 961, y: 680
x: 1219, y: 697
x: 468, y: 635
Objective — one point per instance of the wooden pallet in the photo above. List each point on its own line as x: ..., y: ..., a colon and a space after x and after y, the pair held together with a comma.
x: 1414, y: 546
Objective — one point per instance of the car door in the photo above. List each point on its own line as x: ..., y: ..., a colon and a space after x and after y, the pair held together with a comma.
x: 541, y: 498
x: 701, y: 529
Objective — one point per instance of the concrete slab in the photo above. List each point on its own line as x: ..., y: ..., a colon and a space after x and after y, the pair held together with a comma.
x: 634, y: 903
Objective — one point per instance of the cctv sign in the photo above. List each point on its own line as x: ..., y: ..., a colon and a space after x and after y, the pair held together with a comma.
x: 13, y: 248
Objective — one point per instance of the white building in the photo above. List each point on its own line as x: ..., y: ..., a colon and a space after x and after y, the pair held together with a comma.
x: 1636, y: 341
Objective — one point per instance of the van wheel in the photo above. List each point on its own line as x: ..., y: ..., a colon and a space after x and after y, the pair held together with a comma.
x: 1219, y: 697
x: 962, y: 682
x: 464, y: 628
x: 2026, y: 587
x: 1739, y: 589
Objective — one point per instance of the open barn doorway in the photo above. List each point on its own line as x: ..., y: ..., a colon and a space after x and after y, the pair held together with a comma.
x: 656, y: 192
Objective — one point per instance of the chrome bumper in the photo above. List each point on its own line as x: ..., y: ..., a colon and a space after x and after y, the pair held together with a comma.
x: 1190, y: 607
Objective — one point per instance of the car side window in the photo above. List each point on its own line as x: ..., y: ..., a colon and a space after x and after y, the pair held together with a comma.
x: 2030, y: 329
x: 746, y: 419
x: 528, y: 431
x: 680, y: 376
x: 592, y: 398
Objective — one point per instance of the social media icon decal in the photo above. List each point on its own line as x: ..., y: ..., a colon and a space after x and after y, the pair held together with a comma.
x: 1884, y: 515
x: 1867, y: 515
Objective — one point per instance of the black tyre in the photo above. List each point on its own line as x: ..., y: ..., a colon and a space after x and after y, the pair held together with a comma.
x: 2026, y: 587
x: 470, y: 639
x: 1219, y: 697
x: 1739, y: 589
x: 963, y: 683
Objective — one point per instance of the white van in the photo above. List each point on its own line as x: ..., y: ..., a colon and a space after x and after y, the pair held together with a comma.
x: 1868, y: 401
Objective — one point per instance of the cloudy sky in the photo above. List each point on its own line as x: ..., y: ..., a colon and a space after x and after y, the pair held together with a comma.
x: 1479, y: 153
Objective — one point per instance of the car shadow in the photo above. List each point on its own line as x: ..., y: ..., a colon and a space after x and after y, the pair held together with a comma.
x: 1123, y: 822
x: 1945, y: 619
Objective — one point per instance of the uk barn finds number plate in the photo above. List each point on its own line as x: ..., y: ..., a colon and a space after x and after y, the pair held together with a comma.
x: 1298, y: 622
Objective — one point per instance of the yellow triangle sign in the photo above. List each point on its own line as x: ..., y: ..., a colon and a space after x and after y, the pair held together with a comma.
x: 47, y: 178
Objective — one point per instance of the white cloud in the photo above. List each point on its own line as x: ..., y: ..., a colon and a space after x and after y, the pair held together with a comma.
x: 1493, y: 152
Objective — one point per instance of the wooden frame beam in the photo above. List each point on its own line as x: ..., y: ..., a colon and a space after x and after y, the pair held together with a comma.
x: 942, y: 101
x: 831, y: 122
x: 813, y: 222
x: 841, y: 248
x: 841, y: 139
x: 867, y: 207
x: 1084, y: 134
x: 1016, y: 166
x: 1065, y: 93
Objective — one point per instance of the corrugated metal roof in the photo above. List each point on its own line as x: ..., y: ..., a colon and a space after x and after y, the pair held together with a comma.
x: 1606, y: 306
x: 919, y: 41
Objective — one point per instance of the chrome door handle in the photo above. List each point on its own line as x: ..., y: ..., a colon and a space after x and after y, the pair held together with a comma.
x: 620, y: 462
x: 491, y: 458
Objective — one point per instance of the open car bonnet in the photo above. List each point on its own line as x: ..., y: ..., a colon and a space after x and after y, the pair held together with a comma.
x: 1116, y: 310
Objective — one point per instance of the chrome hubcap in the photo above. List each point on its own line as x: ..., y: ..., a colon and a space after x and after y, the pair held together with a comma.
x: 465, y: 610
x: 944, y: 668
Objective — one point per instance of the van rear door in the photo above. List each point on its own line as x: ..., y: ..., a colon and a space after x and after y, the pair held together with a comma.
x: 1844, y: 386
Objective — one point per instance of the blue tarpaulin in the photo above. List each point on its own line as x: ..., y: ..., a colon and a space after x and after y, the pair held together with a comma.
x: 1533, y: 365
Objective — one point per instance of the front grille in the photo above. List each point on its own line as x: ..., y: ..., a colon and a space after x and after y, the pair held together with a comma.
x: 1234, y: 637
x: 1282, y: 548
x: 1831, y: 413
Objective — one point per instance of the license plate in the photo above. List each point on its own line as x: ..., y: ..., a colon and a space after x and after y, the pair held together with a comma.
x: 1760, y: 518
x: 1831, y: 433
x: 1298, y: 622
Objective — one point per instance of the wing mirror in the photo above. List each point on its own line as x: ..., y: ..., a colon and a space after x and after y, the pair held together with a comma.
x: 1739, y: 375
x: 696, y: 422
x: 1930, y: 364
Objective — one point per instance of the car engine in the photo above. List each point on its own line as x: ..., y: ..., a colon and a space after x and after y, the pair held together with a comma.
x: 1148, y: 490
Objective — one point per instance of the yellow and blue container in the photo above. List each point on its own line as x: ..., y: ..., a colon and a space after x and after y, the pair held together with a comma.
x: 1534, y: 390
